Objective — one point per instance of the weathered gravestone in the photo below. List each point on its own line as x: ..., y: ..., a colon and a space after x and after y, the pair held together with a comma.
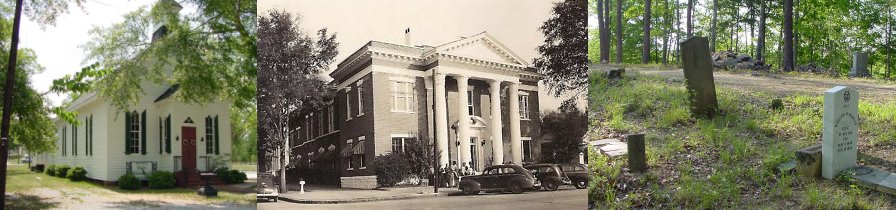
x: 637, y: 156
x: 839, y: 132
x: 701, y: 87
x: 859, y: 65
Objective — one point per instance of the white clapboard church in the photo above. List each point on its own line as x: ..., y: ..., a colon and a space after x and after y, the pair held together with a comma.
x: 159, y: 133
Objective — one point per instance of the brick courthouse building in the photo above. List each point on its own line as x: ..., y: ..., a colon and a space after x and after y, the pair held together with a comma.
x: 388, y: 93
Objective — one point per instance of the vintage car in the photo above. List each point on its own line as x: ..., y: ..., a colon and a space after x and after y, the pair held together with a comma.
x: 266, y: 189
x: 577, y: 173
x: 499, y: 177
x: 549, y: 175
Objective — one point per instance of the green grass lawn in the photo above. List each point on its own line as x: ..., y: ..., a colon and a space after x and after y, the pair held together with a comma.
x: 725, y: 162
x: 20, y: 180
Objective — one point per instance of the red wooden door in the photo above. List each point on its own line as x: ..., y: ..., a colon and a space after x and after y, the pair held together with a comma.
x: 188, y: 150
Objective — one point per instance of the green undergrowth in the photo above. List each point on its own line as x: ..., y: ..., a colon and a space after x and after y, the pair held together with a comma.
x: 728, y: 161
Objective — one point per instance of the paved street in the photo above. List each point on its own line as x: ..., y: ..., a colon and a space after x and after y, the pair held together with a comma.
x: 565, y: 198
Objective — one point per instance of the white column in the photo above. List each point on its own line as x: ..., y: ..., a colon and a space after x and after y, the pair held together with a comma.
x: 463, y: 122
x: 516, y: 143
x: 441, y: 120
x: 496, y: 125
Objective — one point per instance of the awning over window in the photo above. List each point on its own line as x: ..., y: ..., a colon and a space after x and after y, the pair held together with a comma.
x: 322, y: 156
x: 358, y: 149
x: 346, y: 151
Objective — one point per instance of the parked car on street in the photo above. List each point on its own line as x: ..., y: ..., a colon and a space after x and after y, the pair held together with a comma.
x: 26, y: 159
x: 549, y: 175
x: 499, y: 177
x: 266, y: 188
x: 577, y: 173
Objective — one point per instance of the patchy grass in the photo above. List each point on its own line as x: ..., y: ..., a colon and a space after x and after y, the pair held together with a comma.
x: 725, y: 162
x: 21, y: 182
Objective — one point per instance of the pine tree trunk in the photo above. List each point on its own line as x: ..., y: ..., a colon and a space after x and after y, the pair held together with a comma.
x: 618, y: 31
x: 645, y: 51
x: 889, y: 31
x: 677, y: 30
x: 796, y: 35
x: 788, y: 36
x: 690, y: 23
x: 607, y: 27
x: 666, y: 34
x: 712, y: 38
x: 600, y: 30
x: 760, y: 42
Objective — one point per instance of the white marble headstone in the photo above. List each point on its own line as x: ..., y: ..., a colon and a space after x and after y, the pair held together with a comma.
x: 839, y: 132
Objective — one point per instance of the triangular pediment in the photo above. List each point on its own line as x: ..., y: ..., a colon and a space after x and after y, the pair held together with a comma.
x: 481, y: 46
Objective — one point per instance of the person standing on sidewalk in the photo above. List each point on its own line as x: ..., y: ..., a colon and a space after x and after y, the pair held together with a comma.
x: 453, y: 173
x: 444, y: 180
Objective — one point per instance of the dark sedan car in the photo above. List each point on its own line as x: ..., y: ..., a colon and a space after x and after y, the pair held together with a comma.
x: 549, y: 175
x: 577, y: 173
x: 501, y: 177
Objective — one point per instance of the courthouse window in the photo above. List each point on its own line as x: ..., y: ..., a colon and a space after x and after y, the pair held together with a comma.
x: 403, y: 96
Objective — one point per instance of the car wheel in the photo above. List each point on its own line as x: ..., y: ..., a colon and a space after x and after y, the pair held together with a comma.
x: 275, y: 199
x: 516, y: 188
x: 468, y: 191
x: 550, y: 186
x: 581, y: 184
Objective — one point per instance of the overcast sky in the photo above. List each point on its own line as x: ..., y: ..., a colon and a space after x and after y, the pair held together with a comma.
x: 512, y: 22
x: 57, y: 47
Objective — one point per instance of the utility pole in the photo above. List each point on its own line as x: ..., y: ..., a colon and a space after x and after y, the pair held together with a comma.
x: 7, y: 100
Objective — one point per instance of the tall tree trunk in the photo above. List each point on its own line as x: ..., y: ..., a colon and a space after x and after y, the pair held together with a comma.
x: 760, y: 42
x: 667, y: 22
x: 618, y: 31
x: 712, y: 31
x: 889, y: 31
x: 604, y: 50
x: 607, y: 27
x: 677, y: 32
x: 7, y: 98
x: 752, y: 13
x: 690, y: 23
x: 796, y: 35
x: 645, y: 51
x: 736, y: 28
x: 788, y: 36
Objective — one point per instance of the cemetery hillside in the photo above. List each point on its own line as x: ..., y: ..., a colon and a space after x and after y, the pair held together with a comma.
x: 731, y: 160
x: 741, y: 104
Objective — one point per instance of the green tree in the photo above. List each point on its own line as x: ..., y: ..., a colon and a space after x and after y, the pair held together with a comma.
x: 564, y: 53
x: 219, y: 62
x: 244, y: 133
x: 568, y: 127
x: 290, y: 62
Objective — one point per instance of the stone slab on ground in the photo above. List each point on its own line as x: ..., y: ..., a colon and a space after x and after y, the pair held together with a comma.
x: 610, y: 147
x: 787, y: 167
x: 604, y: 142
x: 880, y: 180
x: 614, y: 150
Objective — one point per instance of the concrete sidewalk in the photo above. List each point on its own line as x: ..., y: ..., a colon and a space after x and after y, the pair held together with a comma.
x: 334, y: 195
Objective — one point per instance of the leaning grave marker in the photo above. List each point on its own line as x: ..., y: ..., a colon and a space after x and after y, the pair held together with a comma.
x: 839, y: 132
x: 697, y: 65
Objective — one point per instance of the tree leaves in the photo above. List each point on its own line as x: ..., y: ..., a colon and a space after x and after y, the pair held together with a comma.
x: 211, y: 53
x: 289, y: 62
x: 564, y: 53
